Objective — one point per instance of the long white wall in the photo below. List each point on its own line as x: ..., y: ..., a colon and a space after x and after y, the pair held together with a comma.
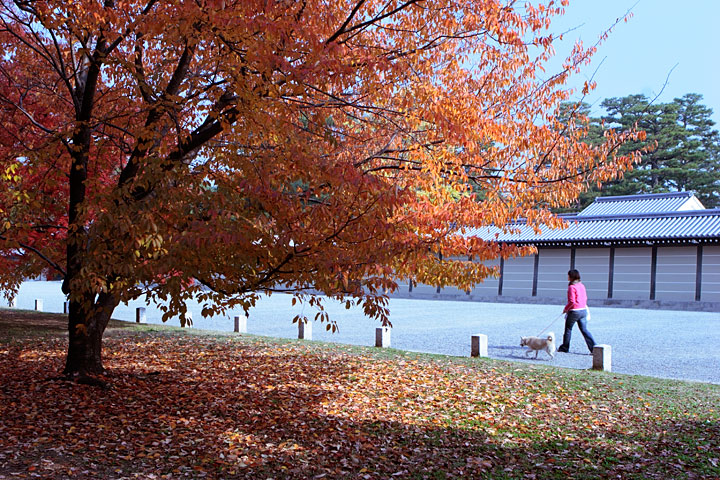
x: 631, y: 270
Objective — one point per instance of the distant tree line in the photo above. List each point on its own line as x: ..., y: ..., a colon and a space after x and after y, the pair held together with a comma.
x: 682, y: 149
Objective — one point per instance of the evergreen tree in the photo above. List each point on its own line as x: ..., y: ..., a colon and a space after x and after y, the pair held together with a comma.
x: 699, y: 168
x: 579, y: 114
x: 681, y: 149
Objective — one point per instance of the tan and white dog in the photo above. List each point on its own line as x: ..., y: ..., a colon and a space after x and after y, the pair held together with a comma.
x: 539, y: 343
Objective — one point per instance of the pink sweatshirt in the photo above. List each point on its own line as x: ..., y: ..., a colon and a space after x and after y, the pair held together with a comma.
x: 577, y: 297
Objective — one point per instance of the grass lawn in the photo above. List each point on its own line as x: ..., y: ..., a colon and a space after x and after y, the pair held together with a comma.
x: 193, y: 404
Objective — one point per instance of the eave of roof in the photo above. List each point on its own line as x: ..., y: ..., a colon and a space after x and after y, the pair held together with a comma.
x: 629, y: 216
x: 644, y: 203
x: 645, y: 196
x: 699, y: 226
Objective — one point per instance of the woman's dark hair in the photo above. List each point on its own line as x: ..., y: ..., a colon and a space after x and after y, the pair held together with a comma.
x: 574, y: 275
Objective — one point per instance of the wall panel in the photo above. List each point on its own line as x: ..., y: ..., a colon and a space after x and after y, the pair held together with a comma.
x: 423, y: 289
x: 594, y: 267
x: 490, y: 286
x: 553, y: 266
x: 710, y: 291
x: 676, y: 273
x: 632, y: 273
x: 518, y: 276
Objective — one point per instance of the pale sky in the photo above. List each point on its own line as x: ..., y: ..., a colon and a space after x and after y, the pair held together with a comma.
x: 640, y: 54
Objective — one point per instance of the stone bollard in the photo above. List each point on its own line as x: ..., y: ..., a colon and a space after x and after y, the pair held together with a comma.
x: 140, y: 315
x: 479, y: 345
x: 39, y: 304
x: 382, y: 337
x: 66, y: 307
x: 304, y: 330
x: 602, y: 358
x: 241, y: 324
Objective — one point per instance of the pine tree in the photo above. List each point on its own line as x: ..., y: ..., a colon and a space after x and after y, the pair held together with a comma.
x: 680, y: 150
x: 699, y: 167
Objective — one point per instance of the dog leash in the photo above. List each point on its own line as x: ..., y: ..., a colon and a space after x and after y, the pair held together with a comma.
x: 551, y: 323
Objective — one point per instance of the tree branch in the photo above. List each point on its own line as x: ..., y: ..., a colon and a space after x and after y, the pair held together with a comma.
x: 39, y: 254
x: 366, y: 23
x: 347, y: 21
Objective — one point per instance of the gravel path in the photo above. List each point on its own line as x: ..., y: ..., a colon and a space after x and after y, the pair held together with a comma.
x: 657, y: 343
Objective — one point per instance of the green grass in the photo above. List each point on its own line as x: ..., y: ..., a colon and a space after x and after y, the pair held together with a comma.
x: 673, y: 395
x: 412, y: 414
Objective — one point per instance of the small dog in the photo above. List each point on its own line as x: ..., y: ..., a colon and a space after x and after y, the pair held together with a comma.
x: 539, y: 343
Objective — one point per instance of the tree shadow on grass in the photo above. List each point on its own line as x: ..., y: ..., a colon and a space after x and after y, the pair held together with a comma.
x: 183, y: 407
x: 17, y: 324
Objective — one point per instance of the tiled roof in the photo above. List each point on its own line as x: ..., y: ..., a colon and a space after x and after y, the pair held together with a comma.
x: 647, y: 203
x: 620, y: 227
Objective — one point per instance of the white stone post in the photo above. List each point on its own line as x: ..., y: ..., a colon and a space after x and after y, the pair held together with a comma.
x: 241, y: 324
x: 66, y: 307
x: 304, y: 330
x: 382, y: 337
x: 602, y: 358
x: 479, y: 345
x: 39, y: 304
x: 140, y: 315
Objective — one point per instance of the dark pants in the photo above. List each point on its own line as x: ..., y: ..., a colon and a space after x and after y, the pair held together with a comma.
x: 579, y: 316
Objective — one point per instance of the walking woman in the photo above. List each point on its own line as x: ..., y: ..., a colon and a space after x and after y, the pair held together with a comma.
x: 576, y: 312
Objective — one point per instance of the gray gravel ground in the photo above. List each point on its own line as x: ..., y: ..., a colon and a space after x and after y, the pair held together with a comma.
x: 657, y: 343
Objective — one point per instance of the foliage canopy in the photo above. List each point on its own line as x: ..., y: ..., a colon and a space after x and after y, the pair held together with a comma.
x: 220, y: 148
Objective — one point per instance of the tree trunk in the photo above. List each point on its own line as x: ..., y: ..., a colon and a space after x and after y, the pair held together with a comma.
x: 86, y: 326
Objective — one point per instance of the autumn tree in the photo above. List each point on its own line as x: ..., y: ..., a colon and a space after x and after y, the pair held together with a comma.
x: 216, y: 149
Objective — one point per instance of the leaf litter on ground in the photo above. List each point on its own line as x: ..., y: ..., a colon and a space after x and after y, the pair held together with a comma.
x: 201, y: 406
